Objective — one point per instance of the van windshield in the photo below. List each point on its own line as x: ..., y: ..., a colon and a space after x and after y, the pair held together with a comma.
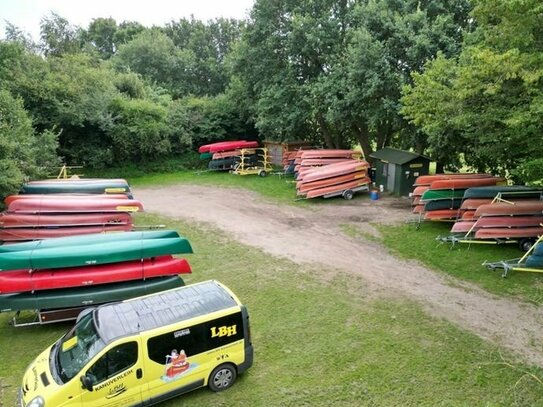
x: 77, y: 347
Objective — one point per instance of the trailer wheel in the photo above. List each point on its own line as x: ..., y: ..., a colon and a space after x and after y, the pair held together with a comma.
x: 348, y: 194
x: 262, y: 173
x: 222, y: 377
x: 525, y: 244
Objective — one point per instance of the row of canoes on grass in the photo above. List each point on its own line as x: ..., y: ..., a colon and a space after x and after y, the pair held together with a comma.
x: 66, y: 207
x: 94, y: 268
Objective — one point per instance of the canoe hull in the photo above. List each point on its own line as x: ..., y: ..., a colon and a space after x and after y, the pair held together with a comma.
x: 23, y: 281
x: 16, y: 220
x: 89, y: 239
x: 61, y: 205
x: 25, y: 234
x: 93, y: 254
x: 86, y: 296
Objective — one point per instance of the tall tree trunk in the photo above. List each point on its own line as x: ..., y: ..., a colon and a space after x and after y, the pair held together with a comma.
x: 362, y: 135
x: 325, y: 132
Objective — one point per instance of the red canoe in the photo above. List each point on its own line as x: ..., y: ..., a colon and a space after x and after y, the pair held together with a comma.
x: 462, y: 226
x: 12, y: 198
x: 508, y: 221
x: 307, y: 186
x: 508, y: 233
x: 205, y: 148
x: 441, y: 214
x: 337, y: 188
x: 418, y: 191
x: 23, y: 281
x: 334, y: 170
x: 463, y: 183
x: 504, y: 209
x: 474, y: 203
x: 26, y: 220
x: 22, y: 234
x: 428, y: 179
x: 232, y: 145
x: 308, y: 154
x: 74, y: 206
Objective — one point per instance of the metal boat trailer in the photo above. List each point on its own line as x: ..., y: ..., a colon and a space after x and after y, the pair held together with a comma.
x: 348, y: 193
x: 45, y: 316
x: 515, y: 264
x: 524, y: 244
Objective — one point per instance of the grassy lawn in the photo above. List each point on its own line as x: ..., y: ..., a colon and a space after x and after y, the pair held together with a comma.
x: 463, y: 261
x: 322, y: 343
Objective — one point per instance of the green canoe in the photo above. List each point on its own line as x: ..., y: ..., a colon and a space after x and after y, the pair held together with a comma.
x: 434, y: 194
x: 91, y: 295
x: 439, y: 204
x: 206, y: 156
x: 92, y: 254
x: 93, y: 238
x: 80, y: 187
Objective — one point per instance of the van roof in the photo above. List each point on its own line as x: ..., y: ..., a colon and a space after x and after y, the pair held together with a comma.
x: 161, y: 309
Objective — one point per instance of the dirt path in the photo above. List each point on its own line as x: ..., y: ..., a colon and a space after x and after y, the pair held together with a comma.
x: 313, y: 236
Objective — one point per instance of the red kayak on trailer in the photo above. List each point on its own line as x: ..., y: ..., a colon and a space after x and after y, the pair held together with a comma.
x: 463, y: 183
x: 49, y: 205
x: 332, y: 189
x: 231, y: 145
x: 333, y: 170
x: 428, y: 179
x: 508, y: 221
x: 307, y: 186
x: 31, y: 220
x: 309, y: 154
x: 508, y: 233
x: 23, y: 281
x: 441, y: 214
x: 23, y: 234
x: 505, y: 209
x: 12, y: 198
x: 463, y: 226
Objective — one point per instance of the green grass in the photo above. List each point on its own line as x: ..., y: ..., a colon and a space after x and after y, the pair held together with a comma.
x: 463, y: 261
x: 322, y: 343
x: 281, y: 189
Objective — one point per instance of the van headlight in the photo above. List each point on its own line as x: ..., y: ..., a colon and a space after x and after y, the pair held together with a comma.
x: 36, y: 402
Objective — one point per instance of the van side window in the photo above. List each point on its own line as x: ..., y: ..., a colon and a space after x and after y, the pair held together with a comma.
x: 197, y: 338
x: 114, y: 361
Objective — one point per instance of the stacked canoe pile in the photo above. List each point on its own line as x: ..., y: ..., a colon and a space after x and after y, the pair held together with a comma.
x: 439, y: 197
x: 71, y: 272
x: 338, y: 178
x: 305, y: 160
x: 501, y: 212
x: 224, y: 155
x: 56, y: 208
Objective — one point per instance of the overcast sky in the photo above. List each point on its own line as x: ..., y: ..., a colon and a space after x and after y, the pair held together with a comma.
x: 26, y: 14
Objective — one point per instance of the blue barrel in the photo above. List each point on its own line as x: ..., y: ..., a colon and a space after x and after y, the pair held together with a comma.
x: 374, y: 195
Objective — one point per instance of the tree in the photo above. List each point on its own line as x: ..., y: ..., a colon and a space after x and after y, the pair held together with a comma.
x: 22, y: 153
x: 101, y: 34
x: 58, y: 36
x: 153, y: 55
x: 335, y: 69
x: 486, y: 103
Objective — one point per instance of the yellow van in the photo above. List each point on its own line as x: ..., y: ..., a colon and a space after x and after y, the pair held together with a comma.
x: 145, y: 350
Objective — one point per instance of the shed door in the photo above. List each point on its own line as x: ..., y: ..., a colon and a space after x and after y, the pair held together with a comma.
x: 391, y: 177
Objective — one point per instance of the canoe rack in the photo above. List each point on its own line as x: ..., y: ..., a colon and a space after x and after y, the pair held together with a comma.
x: 247, y: 164
x: 524, y: 244
x: 515, y: 264
x: 46, y: 316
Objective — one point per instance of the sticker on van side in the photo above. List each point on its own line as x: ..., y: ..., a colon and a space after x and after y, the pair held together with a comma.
x: 176, y: 365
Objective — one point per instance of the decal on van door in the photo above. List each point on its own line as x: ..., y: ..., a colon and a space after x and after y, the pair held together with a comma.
x: 176, y: 365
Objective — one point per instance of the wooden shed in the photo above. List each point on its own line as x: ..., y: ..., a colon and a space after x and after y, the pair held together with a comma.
x: 277, y: 148
x: 396, y: 170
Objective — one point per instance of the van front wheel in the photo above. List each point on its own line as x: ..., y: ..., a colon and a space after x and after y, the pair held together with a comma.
x: 222, y: 377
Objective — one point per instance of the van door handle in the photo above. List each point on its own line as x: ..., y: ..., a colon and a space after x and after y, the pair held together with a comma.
x: 139, y: 373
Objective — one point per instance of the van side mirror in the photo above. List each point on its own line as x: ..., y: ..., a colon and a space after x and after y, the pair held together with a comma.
x: 86, y: 382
